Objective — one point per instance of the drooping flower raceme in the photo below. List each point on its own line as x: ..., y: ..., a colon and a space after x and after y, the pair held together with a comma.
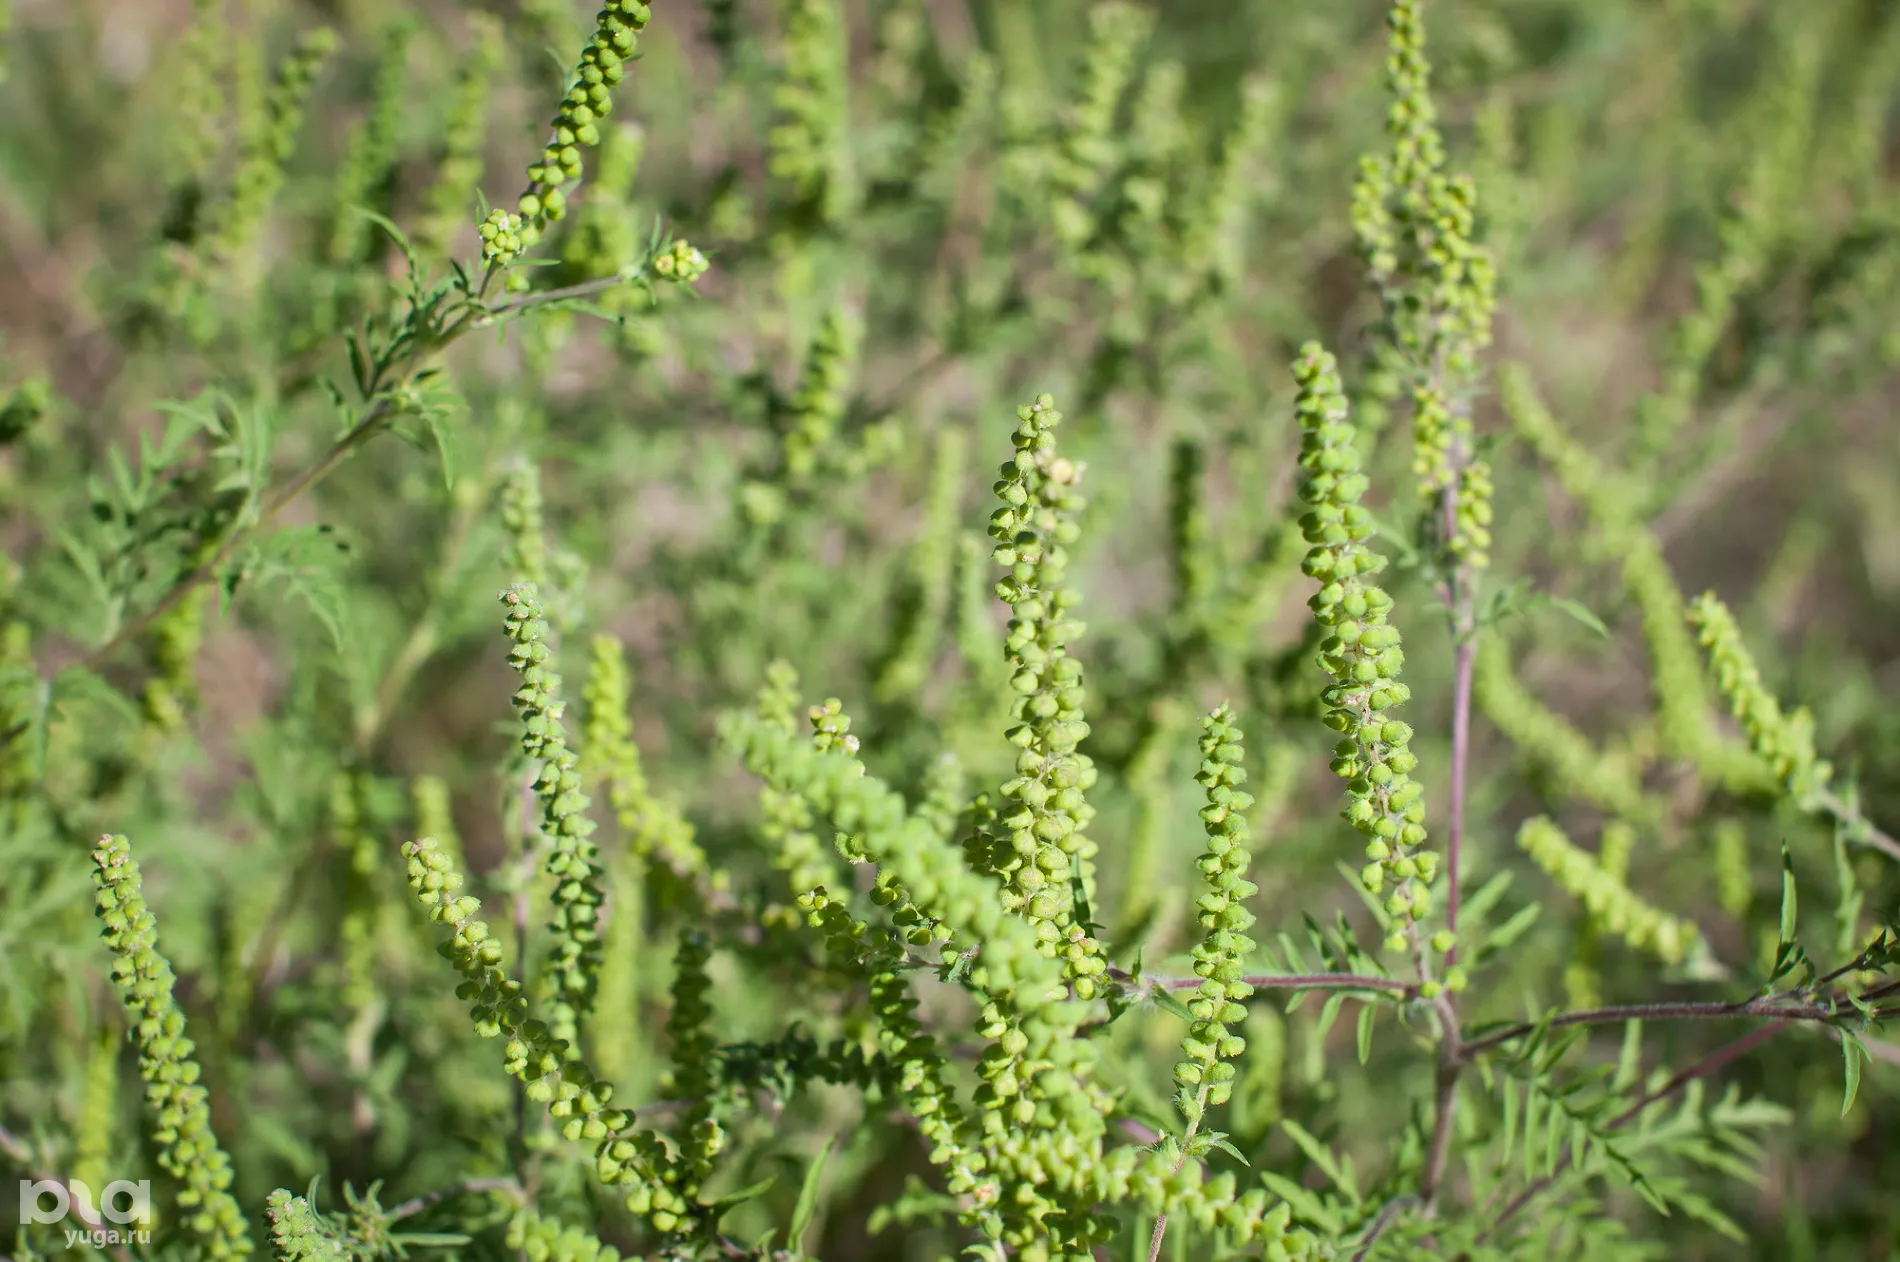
x: 1784, y: 740
x: 1612, y: 904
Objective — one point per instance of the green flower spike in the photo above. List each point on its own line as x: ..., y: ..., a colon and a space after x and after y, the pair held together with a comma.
x: 806, y: 148
x: 1415, y: 224
x: 578, y: 1101
x: 460, y: 169
x: 689, y: 1028
x: 652, y: 827
x: 616, y: 36
x: 573, y: 859
x: 373, y: 143
x: 1048, y: 855
x: 1784, y: 741
x: 1205, y: 1073
x: 260, y: 170
x: 921, y: 1067
x: 181, y: 1109
x: 1361, y: 651
x: 1090, y: 142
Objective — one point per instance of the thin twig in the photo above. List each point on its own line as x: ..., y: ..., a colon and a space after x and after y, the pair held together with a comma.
x: 1444, y: 1099
x: 1460, y: 587
x: 1379, y: 1224
x: 1861, y: 828
x: 1306, y: 981
x: 1771, y: 1006
x: 1282, y: 981
x: 1457, y: 593
x: 416, y: 1204
x: 1187, y: 1136
x: 541, y: 298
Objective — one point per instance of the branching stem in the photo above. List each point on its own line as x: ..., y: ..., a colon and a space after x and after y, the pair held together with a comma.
x: 1776, y: 1007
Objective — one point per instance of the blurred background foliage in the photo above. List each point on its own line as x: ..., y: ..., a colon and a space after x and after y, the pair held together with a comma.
x: 919, y: 213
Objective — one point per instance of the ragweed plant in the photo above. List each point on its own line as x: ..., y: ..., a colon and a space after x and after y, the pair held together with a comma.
x: 788, y: 875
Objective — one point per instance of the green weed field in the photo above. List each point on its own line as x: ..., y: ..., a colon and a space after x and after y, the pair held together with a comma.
x: 893, y: 629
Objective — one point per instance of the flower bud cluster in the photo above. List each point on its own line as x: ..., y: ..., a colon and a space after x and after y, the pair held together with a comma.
x: 1151, y: 1177
x: 299, y: 1234
x: 503, y: 238
x: 681, y: 262
x: 543, y: 1239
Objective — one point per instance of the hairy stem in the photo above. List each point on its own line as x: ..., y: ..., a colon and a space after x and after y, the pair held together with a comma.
x: 1161, y: 1219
